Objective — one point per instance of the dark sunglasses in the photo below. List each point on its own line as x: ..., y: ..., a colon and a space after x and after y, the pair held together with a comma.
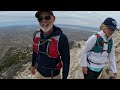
x: 46, y: 18
x: 111, y: 29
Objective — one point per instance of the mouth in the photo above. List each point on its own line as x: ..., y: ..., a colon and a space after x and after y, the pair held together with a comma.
x: 44, y: 25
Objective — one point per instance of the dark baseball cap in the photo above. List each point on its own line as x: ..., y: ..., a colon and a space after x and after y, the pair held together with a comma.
x: 38, y: 13
x: 111, y: 23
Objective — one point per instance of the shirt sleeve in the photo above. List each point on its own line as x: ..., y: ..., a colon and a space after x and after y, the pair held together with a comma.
x: 34, y: 55
x: 65, y: 55
x: 90, y: 43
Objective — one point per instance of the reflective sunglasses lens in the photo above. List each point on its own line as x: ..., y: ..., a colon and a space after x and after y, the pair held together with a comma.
x: 47, y: 17
x: 40, y: 19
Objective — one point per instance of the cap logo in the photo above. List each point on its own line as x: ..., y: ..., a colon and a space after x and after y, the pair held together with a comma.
x: 114, y: 22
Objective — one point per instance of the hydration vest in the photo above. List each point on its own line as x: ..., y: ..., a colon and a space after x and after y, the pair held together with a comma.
x: 100, y: 44
x: 99, y: 47
x: 52, y: 47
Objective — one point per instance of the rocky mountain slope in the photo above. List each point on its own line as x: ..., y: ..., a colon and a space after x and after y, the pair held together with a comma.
x: 16, y: 51
x: 75, y: 69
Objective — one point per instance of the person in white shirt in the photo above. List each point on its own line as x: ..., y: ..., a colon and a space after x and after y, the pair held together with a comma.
x: 98, y: 49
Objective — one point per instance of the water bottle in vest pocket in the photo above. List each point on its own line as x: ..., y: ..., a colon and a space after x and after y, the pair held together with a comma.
x: 53, y: 48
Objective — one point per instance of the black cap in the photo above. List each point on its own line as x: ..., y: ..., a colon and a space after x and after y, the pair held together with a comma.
x: 111, y: 23
x: 38, y: 13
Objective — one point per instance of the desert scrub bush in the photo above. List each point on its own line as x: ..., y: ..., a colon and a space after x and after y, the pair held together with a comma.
x: 14, y: 56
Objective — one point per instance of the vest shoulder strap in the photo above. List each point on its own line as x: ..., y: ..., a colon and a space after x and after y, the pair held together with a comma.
x: 56, y: 37
x: 36, y: 34
x: 98, y: 36
x: 100, y: 43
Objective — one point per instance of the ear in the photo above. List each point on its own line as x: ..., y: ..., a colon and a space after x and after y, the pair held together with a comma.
x: 54, y: 18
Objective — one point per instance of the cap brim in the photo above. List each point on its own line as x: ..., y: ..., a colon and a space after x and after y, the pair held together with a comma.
x: 39, y: 12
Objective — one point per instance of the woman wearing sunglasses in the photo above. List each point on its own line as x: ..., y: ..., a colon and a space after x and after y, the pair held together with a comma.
x: 50, y: 49
x: 98, y: 49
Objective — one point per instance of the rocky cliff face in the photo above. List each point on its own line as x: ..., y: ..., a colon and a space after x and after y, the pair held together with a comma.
x: 13, y: 61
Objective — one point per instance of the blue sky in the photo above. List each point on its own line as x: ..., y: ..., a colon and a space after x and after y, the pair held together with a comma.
x: 84, y: 18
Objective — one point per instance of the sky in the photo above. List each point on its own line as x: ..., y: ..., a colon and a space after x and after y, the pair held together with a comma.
x: 82, y: 18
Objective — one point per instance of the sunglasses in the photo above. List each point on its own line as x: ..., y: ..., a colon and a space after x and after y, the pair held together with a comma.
x: 46, y: 18
x: 111, y: 29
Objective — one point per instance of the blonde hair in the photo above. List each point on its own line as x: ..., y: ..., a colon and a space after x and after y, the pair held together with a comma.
x: 103, y: 26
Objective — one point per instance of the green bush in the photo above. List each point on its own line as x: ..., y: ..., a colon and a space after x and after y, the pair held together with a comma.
x: 14, y: 56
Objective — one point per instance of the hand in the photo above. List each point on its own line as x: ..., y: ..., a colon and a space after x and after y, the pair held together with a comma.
x: 33, y: 70
x: 114, y: 75
x: 84, y: 70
